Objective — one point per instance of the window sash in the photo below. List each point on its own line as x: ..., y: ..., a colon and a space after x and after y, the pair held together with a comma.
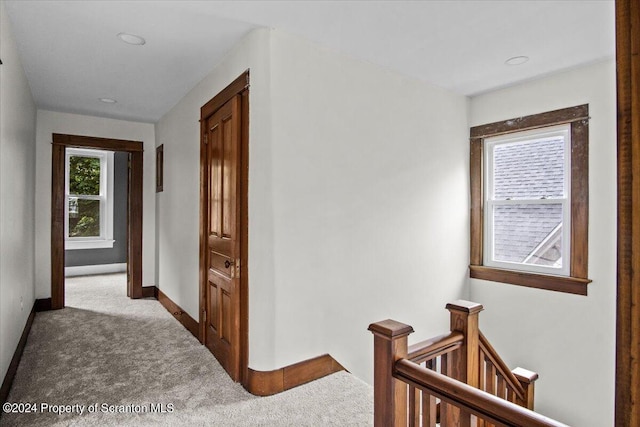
x: 490, y: 202
x: 489, y: 241
x: 102, y: 217
x: 105, y: 239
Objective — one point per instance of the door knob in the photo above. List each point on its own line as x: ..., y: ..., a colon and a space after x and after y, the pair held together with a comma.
x: 227, y: 264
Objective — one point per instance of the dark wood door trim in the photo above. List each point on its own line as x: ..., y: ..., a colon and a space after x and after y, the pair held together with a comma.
x: 627, y: 411
x: 237, y: 86
x: 134, y: 226
x: 80, y: 141
x: 57, y: 225
x: 244, y: 236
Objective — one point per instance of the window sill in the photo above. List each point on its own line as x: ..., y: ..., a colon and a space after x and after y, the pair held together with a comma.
x: 88, y: 244
x: 570, y: 285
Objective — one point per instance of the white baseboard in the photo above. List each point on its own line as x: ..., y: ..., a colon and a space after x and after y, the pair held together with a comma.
x: 85, y: 270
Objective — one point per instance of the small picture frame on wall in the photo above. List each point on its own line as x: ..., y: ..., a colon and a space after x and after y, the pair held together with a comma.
x: 159, y: 168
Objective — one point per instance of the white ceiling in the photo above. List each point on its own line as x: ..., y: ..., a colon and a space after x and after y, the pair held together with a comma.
x: 72, y: 56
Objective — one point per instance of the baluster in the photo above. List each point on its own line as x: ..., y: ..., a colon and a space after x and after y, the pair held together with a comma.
x: 429, y: 364
x: 430, y: 405
x: 489, y: 383
x: 490, y: 378
x: 414, y: 407
x: 482, y: 372
x: 501, y: 387
x: 479, y: 422
x: 487, y: 423
x: 429, y: 410
x: 448, y: 416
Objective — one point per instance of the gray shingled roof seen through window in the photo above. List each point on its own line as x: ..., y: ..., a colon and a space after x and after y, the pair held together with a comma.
x: 528, y: 233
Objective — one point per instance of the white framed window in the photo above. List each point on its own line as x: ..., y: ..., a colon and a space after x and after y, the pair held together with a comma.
x: 527, y: 203
x: 89, y: 199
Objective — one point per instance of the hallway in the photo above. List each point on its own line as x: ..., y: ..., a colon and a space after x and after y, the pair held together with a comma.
x: 127, y: 355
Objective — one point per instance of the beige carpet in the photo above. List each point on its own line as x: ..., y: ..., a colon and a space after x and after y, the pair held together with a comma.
x: 108, y: 350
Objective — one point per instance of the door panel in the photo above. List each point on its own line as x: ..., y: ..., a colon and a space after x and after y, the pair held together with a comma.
x: 226, y: 309
x: 228, y: 185
x: 213, y: 307
x: 215, y: 180
x: 220, y: 263
x: 222, y: 137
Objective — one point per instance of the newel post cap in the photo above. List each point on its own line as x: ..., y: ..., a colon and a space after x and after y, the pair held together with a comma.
x: 390, y: 329
x: 465, y: 306
x: 524, y: 375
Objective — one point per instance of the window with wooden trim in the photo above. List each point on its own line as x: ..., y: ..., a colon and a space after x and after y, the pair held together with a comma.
x: 529, y: 200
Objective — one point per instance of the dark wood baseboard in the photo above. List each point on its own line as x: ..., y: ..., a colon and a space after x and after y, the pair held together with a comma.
x: 149, y: 292
x: 266, y: 383
x: 17, y: 355
x: 180, y: 315
x: 43, y: 304
x: 262, y: 383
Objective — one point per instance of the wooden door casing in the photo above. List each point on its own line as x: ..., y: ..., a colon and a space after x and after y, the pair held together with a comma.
x: 134, y: 227
x: 627, y: 411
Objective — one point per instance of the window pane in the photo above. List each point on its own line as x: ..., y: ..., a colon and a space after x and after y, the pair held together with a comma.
x: 528, y: 234
x: 84, y: 175
x: 73, y: 207
x: 529, y: 169
x: 85, y: 220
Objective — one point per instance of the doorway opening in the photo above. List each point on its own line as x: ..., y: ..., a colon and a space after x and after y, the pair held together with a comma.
x: 88, y: 208
x: 96, y: 183
x: 96, y: 187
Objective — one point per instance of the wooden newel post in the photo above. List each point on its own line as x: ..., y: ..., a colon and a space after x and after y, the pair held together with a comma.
x: 464, y: 364
x: 527, y: 380
x: 389, y: 395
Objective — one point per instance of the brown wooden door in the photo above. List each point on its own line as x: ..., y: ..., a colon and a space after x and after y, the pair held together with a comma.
x: 222, y: 297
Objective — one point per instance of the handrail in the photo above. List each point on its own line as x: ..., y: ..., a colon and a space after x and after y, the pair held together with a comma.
x: 434, y: 347
x: 502, y: 367
x: 484, y: 405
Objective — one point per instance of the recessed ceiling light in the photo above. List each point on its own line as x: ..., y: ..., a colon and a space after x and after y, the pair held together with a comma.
x: 108, y: 100
x: 517, y: 60
x: 131, y: 39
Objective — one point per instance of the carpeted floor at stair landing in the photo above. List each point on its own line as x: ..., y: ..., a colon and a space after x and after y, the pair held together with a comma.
x: 109, y: 350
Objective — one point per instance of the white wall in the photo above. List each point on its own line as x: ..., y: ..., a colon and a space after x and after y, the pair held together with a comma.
x: 178, y: 204
x: 569, y: 340
x: 358, y: 201
x: 17, y: 167
x: 370, y: 196
x: 50, y: 122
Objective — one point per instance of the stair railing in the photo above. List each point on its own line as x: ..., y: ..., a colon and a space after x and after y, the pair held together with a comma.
x: 455, y: 379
